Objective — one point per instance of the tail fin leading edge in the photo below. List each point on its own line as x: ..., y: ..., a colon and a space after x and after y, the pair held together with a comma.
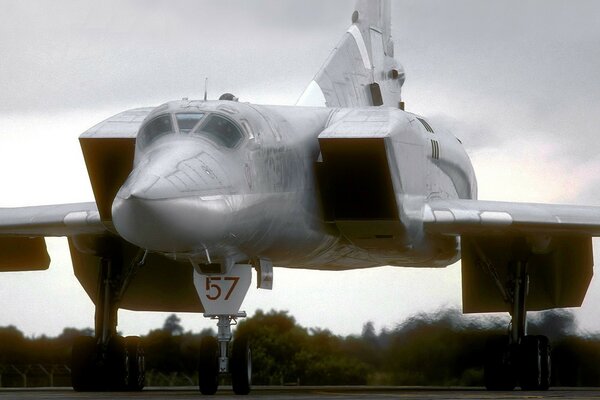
x: 361, y: 71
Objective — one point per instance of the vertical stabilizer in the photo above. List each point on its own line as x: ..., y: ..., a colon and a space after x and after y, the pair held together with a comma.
x: 361, y: 71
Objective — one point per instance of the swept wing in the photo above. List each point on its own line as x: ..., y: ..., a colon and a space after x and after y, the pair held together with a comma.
x: 460, y: 217
x: 555, y: 240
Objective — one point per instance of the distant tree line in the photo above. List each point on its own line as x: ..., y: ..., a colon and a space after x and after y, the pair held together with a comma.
x: 442, y: 349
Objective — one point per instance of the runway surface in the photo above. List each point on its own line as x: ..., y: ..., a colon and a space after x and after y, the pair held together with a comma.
x: 329, y: 392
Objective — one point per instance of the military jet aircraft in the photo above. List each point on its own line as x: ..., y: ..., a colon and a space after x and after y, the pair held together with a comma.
x: 192, y: 196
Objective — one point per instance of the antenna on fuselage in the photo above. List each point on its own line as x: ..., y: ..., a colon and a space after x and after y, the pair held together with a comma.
x: 205, y: 88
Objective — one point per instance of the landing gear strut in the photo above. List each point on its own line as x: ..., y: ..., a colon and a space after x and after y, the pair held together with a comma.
x: 518, y: 359
x: 218, y: 358
x: 221, y: 296
x: 108, y: 361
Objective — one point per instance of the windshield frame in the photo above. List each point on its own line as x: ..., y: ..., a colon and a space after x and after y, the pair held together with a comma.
x: 143, y: 138
x: 197, y: 131
x: 202, y: 114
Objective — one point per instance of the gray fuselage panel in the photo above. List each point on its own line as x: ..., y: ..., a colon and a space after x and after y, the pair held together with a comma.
x: 192, y: 195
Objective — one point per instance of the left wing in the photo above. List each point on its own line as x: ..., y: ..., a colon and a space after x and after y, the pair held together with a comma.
x: 459, y: 217
x: 554, y: 241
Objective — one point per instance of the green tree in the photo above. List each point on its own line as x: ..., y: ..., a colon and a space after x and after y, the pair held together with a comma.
x: 173, y: 326
x: 12, y: 345
x: 284, y: 352
x: 275, y: 338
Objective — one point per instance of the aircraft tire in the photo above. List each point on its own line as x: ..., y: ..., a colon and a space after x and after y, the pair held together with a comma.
x: 208, y: 366
x: 536, y: 363
x: 240, y: 365
x: 116, y: 368
x: 137, y: 366
x: 531, y: 368
x: 84, y: 373
x: 499, y: 371
x: 546, y: 362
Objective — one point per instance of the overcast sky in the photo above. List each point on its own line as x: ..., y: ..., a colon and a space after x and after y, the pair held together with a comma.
x: 517, y: 81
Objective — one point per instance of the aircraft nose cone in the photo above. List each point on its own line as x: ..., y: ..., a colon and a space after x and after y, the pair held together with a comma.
x: 156, y: 210
x: 173, y: 225
x: 148, y: 224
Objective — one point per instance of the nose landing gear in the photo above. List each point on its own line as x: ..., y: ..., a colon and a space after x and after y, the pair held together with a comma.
x: 218, y: 358
x: 222, y: 296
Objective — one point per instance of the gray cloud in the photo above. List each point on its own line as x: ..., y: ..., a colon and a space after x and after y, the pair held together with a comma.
x: 527, y: 68
x: 491, y: 71
x: 69, y: 54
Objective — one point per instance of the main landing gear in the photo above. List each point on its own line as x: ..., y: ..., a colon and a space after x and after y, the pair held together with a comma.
x: 518, y: 359
x: 108, y: 361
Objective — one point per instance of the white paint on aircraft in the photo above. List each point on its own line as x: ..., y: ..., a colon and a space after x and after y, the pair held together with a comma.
x: 312, y: 96
x: 362, y: 48
x: 496, y: 218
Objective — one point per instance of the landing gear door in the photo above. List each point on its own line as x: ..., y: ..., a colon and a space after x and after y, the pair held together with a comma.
x: 223, y: 294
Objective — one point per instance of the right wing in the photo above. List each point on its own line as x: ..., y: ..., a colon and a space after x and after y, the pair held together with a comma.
x: 361, y: 71
x: 108, y: 148
x: 22, y: 232
x: 54, y: 220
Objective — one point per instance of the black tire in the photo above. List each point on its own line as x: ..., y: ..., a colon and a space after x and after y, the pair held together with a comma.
x: 240, y: 365
x: 546, y: 362
x: 137, y: 364
x: 116, y: 367
x: 531, y: 366
x: 208, y: 366
x: 499, y: 369
x: 84, y: 374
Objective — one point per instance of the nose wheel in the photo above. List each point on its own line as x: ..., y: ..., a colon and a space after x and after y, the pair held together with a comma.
x: 220, y: 358
x: 240, y: 365
x: 208, y: 366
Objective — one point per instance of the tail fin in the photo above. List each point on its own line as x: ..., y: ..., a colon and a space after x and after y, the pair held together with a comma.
x: 361, y: 71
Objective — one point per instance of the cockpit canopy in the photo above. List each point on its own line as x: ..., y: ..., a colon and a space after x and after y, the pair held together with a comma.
x: 217, y: 128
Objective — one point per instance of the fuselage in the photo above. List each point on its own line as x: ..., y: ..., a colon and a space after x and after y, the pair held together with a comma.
x: 224, y: 182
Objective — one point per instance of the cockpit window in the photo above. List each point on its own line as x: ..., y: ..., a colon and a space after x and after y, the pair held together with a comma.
x: 221, y: 130
x: 156, y: 128
x: 187, y: 121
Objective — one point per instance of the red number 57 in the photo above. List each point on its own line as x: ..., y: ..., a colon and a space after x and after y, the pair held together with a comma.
x: 214, y: 284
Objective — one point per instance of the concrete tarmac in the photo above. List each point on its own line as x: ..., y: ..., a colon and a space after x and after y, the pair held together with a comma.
x: 304, y: 393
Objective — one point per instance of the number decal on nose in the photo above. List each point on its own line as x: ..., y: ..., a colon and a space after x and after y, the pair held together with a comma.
x: 216, y: 284
x: 223, y: 294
